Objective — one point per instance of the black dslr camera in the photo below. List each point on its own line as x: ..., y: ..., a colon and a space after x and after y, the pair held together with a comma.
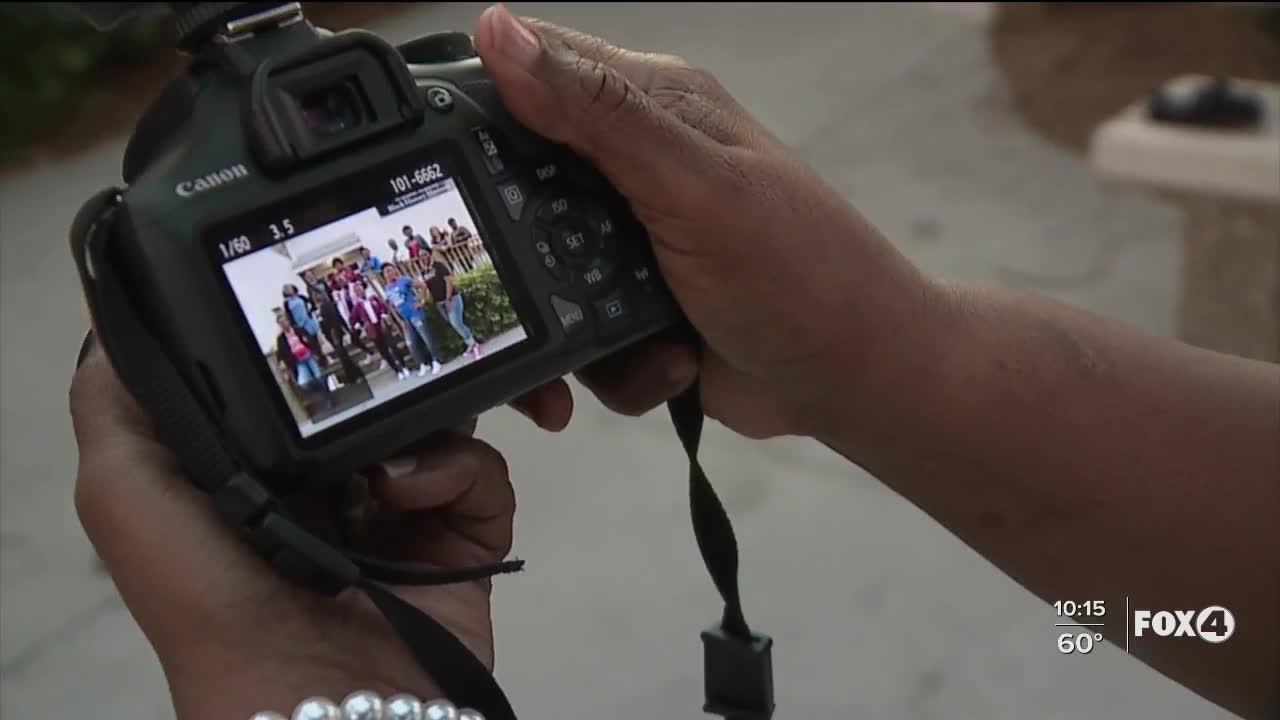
x: 345, y: 245
x: 328, y: 249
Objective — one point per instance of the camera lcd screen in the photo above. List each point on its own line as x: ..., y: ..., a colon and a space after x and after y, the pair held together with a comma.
x: 369, y: 291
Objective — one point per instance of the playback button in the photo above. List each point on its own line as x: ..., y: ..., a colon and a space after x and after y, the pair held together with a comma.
x: 613, y: 312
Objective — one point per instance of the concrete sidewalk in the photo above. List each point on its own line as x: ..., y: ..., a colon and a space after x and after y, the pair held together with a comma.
x: 877, y: 612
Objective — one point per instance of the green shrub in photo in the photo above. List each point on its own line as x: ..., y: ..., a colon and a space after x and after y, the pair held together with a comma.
x: 488, y: 311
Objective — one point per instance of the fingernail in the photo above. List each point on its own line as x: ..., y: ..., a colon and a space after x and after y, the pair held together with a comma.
x: 398, y: 466
x: 520, y: 408
x: 514, y: 39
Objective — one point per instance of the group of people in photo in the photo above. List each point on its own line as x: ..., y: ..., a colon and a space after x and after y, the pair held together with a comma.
x: 453, y: 235
x: 370, y: 304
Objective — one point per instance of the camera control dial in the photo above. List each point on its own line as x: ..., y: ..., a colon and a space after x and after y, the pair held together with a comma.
x: 438, y: 48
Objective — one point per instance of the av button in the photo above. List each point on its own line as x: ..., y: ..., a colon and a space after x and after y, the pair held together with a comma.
x: 602, y: 224
x: 572, y: 318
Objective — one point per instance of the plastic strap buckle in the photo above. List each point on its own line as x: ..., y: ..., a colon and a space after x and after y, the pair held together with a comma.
x: 738, y: 675
x: 299, y: 555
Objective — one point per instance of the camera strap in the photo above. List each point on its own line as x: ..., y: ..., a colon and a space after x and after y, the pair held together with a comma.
x: 737, y: 662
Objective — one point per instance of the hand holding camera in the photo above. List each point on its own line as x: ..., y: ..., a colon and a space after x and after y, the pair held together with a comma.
x: 807, y: 322
x: 722, y: 241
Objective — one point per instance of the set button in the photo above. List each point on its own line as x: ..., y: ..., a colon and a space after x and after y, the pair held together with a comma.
x: 574, y: 240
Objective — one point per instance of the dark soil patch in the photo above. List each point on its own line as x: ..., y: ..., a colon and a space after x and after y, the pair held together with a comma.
x: 1070, y: 66
x: 120, y: 97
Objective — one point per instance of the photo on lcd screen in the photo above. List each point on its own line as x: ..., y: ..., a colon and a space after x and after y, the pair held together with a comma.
x: 357, y: 312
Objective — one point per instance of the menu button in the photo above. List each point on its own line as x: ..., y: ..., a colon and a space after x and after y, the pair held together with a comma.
x: 571, y: 316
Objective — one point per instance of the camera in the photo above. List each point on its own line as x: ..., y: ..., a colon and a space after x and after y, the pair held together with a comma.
x: 344, y: 246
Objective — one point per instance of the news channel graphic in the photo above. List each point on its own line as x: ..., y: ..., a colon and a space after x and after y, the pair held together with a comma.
x: 1083, y: 625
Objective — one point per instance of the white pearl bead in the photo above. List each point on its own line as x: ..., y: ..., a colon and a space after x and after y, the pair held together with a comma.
x: 440, y: 710
x: 402, y: 707
x: 268, y: 716
x: 469, y: 714
x: 362, y: 705
x: 317, y: 708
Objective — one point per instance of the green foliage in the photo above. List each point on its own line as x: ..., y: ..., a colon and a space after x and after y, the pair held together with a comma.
x: 486, y: 310
x: 52, y: 57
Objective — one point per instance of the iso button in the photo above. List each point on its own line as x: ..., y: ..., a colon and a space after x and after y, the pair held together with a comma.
x: 556, y: 209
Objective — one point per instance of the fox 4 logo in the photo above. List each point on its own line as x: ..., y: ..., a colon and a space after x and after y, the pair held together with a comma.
x: 1213, y: 624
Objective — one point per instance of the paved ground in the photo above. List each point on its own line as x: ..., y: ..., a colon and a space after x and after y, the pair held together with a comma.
x: 877, y: 612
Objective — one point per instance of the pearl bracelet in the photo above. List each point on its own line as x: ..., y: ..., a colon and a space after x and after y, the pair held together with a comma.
x: 365, y: 705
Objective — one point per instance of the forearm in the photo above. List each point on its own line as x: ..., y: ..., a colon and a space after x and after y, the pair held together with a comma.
x: 1089, y: 460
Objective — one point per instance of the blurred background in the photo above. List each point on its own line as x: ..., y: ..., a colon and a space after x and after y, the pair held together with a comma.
x: 989, y: 141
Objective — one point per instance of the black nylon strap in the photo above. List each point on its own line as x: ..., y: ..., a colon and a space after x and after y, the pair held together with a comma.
x: 711, y: 524
x: 464, y: 680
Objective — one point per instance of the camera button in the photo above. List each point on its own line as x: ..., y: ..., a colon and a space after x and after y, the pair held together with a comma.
x: 513, y: 196
x: 644, y: 276
x: 547, y: 255
x: 438, y: 48
x: 547, y: 172
x: 613, y: 310
x: 605, y: 229
x: 595, y: 275
x: 491, y: 147
x: 601, y: 223
x: 555, y: 209
x: 572, y: 240
x: 439, y: 99
x: 554, y: 266
x: 572, y: 318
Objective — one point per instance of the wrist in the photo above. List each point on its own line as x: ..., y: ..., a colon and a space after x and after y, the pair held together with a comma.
x: 216, y: 682
x: 232, y: 690
x: 891, y: 378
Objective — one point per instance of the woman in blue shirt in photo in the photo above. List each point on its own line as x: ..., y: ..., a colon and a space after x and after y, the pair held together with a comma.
x: 401, y: 295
